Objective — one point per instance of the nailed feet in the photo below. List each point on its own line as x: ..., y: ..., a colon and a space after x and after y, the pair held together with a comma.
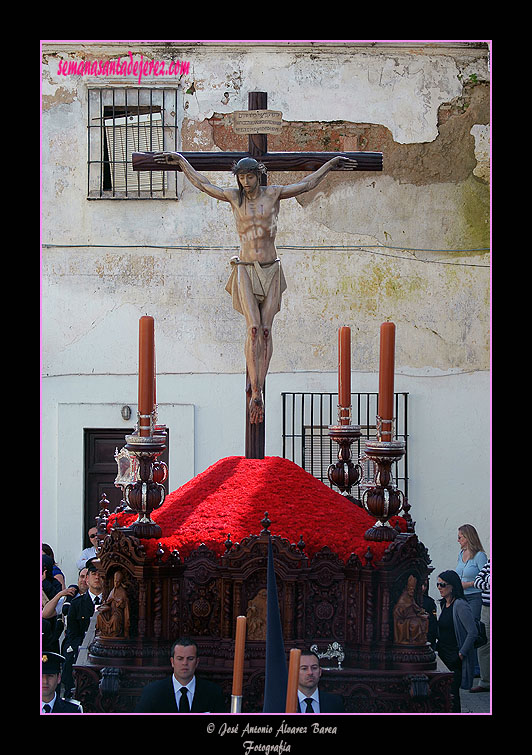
x: 256, y: 409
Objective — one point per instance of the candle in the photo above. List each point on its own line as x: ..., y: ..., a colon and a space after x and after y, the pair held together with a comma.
x: 344, y: 372
x: 146, y: 373
x: 293, y: 678
x: 238, y: 666
x: 154, y: 376
x: 386, y: 378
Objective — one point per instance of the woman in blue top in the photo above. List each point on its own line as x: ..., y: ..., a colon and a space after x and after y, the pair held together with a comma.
x: 471, y: 560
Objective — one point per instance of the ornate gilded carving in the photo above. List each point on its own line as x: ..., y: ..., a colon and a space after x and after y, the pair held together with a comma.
x: 174, y: 608
x: 118, y: 547
x: 157, y: 608
x: 201, y: 608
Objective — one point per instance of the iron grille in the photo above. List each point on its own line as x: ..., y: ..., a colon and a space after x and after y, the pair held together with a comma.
x: 122, y: 121
x: 306, y: 442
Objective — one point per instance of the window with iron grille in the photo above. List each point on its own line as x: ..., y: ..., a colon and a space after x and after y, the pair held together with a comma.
x: 306, y: 421
x: 123, y: 120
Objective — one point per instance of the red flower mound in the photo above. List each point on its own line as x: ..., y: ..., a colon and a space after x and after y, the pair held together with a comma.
x: 231, y: 497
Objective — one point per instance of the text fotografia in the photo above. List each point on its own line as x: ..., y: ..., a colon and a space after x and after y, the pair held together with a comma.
x: 123, y: 67
x: 250, y: 746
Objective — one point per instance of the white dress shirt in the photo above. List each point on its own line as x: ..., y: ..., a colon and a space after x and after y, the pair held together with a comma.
x: 50, y: 703
x: 315, y: 697
x: 191, y: 688
x: 93, y: 597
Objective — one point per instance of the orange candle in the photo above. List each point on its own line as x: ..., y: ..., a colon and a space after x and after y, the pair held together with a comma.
x: 344, y: 372
x: 293, y: 678
x: 238, y: 666
x: 154, y: 376
x: 146, y: 373
x: 386, y: 378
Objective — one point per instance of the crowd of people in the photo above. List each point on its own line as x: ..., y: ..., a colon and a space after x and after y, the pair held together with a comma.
x: 66, y: 615
x: 464, y: 604
x: 459, y: 633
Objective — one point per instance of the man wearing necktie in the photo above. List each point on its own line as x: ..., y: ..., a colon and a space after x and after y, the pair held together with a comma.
x: 80, y: 613
x: 183, y: 692
x: 310, y: 698
x: 51, y: 679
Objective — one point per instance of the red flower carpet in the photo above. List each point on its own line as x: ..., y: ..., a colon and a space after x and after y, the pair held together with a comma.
x: 231, y: 496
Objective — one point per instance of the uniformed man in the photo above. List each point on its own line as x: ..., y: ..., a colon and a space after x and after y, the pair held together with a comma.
x: 51, y: 679
x: 79, y: 616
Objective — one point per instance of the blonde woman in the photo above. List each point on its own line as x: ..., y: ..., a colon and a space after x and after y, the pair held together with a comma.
x: 471, y: 560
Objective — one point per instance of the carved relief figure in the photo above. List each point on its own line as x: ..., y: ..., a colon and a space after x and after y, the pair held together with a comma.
x: 411, y: 622
x: 113, y: 614
x: 256, y: 616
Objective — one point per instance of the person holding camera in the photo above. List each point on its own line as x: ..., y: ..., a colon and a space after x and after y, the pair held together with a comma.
x: 78, y: 589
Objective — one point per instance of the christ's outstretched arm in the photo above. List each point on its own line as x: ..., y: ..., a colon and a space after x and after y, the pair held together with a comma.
x: 196, y: 179
x: 313, y: 179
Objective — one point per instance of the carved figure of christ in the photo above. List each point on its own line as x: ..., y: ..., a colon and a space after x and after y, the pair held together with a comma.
x: 257, y: 281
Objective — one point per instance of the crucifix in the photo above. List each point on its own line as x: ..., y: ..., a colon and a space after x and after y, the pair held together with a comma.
x: 257, y: 281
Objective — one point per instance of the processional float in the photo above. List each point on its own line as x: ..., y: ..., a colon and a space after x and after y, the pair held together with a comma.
x: 344, y: 605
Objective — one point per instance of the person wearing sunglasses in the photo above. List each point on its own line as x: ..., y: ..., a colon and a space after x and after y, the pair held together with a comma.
x: 457, y: 633
x: 90, y: 552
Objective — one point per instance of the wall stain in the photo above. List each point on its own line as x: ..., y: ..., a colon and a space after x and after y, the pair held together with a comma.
x: 61, y: 96
x: 130, y: 269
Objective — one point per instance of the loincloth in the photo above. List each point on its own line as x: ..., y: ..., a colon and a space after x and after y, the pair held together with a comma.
x: 261, y: 277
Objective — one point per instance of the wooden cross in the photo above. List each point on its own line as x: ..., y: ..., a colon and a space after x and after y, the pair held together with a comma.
x: 276, y: 161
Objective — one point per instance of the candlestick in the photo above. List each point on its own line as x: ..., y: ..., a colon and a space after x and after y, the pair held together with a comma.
x: 383, y: 500
x: 293, y: 678
x: 146, y: 374
x: 344, y: 473
x: 344, y: 374
x: 146, y: 493
x: 154, y: 377
x: 386, y: 379
x: 238, y: 666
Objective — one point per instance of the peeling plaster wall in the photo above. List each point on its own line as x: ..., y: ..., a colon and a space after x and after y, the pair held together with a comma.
x: 407, y: 244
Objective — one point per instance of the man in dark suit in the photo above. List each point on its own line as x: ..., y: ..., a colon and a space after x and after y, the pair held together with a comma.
x: 310, y: 698
x: 51, y: 679
x: 80, y: 613
x: 183, y: 692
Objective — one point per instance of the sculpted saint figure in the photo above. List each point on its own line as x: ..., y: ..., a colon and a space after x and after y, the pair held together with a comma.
x: 411, y: 622
x: 257, y: 281
x: 113, y: 614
